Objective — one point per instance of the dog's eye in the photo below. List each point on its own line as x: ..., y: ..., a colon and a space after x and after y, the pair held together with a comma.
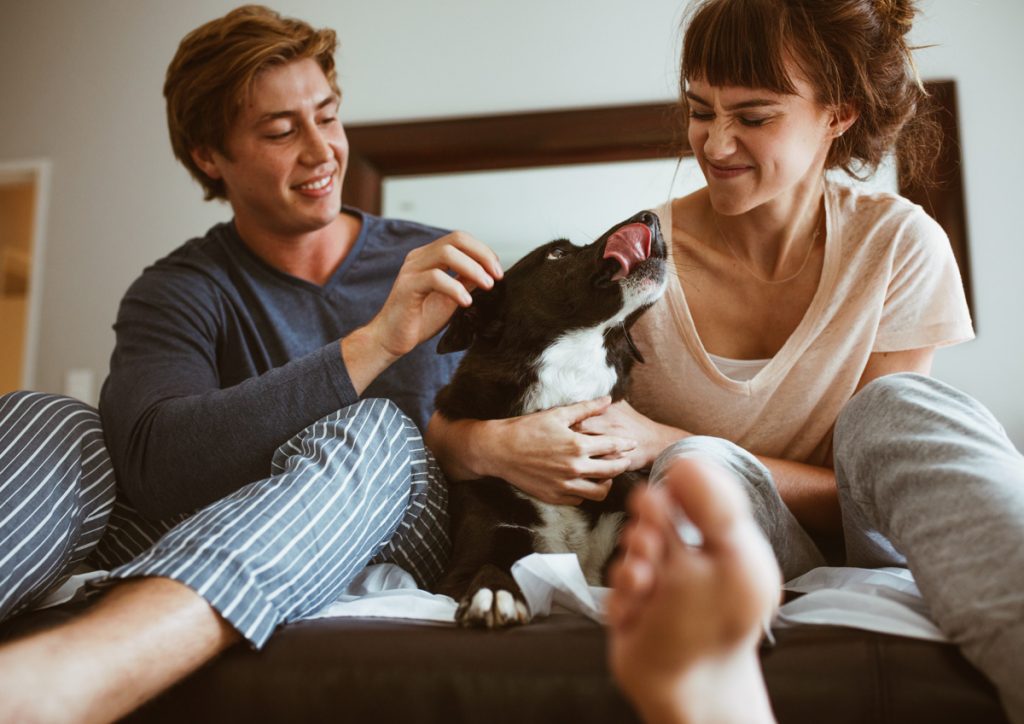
x: 556, y: 253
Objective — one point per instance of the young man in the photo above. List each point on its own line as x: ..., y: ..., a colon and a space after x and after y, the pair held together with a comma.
x: 239, y: 413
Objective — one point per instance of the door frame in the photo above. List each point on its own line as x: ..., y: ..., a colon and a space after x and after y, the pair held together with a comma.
x: 36, y: 171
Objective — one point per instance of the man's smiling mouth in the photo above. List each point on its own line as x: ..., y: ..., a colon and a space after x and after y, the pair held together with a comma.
x: 317, y: 184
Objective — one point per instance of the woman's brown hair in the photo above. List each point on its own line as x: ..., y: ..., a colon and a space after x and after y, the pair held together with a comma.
x: 853, y: 52
x: 214, y: 69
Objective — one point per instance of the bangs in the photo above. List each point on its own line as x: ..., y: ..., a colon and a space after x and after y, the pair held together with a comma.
x: 738, y: 43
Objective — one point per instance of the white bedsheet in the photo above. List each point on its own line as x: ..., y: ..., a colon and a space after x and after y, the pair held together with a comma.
x: 885, y: 600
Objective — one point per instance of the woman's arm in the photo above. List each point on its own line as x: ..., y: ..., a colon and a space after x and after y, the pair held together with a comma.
x: 810, y: 491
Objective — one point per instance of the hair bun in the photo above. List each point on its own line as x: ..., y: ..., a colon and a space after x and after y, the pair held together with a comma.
x: 897, y: 16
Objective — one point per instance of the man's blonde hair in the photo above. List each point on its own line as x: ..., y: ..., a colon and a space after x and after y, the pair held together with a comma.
x: 213, y: 72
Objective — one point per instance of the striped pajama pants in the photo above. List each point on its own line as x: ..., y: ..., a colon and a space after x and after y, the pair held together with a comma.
x: 354, y: 488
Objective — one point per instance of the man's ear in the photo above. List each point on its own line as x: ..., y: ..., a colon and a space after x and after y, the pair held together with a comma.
x: 203, y: 158
x: 480, y: 320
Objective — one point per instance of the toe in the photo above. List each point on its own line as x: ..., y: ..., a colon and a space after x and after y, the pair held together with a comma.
x: 709, y: 496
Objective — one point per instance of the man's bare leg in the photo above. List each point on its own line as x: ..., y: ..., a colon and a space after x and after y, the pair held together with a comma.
x: 685, y: 622
x: 140, y: 638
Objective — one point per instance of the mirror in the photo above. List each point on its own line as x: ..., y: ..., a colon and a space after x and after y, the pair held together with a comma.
x: 519, y: 179
x: 514, y: 210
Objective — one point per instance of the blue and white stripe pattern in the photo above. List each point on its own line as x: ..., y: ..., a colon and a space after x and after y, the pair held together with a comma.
x: 56, y: 493
x: 356, y: 487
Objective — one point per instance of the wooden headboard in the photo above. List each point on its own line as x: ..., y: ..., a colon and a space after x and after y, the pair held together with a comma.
x: 596, y: 135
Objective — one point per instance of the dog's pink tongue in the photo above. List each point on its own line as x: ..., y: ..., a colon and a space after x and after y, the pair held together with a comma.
x: 629, y: 246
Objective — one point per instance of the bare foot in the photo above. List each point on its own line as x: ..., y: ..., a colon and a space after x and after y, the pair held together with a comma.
x: 684, y: 621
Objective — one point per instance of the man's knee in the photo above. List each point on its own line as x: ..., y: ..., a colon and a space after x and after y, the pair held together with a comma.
x: 370, y: 445
x: 57, y: 491
x: 352, y: 430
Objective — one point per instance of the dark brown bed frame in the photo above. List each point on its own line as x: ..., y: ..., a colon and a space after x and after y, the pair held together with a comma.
x: 596, y: 135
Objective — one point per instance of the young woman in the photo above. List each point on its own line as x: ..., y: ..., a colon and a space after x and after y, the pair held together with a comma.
x: 793, y: 347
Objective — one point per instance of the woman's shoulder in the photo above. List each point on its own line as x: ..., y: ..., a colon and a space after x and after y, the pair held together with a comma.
x: 868, y: 216
x: 872, y: 205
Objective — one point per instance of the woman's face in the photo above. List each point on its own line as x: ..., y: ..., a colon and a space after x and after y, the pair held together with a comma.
x: 757, y: 147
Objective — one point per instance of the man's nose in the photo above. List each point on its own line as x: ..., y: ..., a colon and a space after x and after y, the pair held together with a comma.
x: 317, y: 149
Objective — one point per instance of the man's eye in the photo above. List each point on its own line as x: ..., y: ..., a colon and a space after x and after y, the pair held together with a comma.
x: 556, y: 253
x: 283, y: 134
x: 701, y: 116
x: 327, y: 121
x: 753, y: 122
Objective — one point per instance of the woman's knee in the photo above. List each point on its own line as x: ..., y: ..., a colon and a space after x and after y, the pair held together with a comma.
x: 906, y: 406
x: 718, y: 451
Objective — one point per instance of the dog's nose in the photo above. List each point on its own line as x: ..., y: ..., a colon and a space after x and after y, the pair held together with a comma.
x: 646, y: 217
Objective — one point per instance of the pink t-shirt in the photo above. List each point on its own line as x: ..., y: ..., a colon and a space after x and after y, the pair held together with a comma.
x: 889, y: 283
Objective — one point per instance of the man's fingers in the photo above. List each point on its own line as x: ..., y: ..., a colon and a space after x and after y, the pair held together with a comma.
x: 436, y: 280
x: 460, y: 244
x: 468, y: 269
x: 478, y: 250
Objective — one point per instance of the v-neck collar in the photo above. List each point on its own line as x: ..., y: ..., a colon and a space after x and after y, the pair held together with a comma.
x: 795, y: 344
x: 285, y: 277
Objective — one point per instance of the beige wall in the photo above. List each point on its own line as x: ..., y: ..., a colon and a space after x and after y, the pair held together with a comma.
x: 80, y: 84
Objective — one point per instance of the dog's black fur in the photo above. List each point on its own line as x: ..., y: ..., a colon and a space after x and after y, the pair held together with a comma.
x: 553, y: 331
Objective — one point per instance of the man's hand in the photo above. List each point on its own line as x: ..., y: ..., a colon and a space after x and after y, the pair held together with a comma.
x: 541, y: 453
x: 421, y: 301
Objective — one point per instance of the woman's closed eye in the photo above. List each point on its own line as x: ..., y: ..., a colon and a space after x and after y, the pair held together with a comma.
x: 752, y: 122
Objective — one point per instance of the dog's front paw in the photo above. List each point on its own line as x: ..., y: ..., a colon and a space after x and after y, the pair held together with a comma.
x: 487, y: 608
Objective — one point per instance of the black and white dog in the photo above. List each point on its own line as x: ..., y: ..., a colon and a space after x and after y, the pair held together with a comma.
x: 553, y: 331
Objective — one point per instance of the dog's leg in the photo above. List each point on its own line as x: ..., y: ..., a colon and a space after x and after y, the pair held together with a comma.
x: 493, y: 599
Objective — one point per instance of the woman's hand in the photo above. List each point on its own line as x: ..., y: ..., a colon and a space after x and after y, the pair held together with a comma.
x: 622, y: 421
x: 542, y: 453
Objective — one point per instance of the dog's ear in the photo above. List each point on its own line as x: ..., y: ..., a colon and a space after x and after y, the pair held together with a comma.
x: 479, y: 320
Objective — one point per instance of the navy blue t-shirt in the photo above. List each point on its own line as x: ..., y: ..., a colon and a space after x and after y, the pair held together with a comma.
x: 220, y: 358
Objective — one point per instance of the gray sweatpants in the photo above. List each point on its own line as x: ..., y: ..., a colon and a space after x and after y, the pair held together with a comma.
x: 927, y: 479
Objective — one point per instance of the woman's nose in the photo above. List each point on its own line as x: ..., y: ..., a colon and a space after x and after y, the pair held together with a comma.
x: 721, y: 142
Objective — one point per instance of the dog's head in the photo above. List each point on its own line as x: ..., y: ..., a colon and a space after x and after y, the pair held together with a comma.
x: 560, y: 287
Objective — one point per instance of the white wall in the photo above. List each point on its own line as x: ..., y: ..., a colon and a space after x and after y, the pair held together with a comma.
x: 80, y: 83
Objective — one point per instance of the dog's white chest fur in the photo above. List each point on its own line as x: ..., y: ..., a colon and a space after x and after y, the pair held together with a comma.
x: 564, y: 529
x: 572, y: 369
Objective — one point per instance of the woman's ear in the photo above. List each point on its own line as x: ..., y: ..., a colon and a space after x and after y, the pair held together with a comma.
x: 843, y: 117
x: 206, y: 160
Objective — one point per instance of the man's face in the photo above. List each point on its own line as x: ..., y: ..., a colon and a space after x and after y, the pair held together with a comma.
x: 287, y: 153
